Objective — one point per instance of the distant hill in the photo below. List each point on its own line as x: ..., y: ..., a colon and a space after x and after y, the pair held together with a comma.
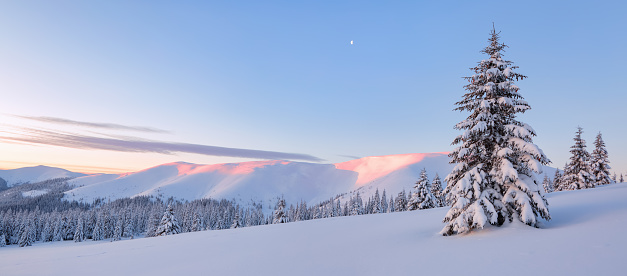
x: 34, y: 174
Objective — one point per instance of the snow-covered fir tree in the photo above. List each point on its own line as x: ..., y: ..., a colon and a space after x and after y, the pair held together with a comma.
x: 119, y: 229
x: 600, y: 162
x: 78, y: 233
x: 557, y: 181
x: 376, y: 203
x: 129, y: 228
x: 400, y: 204
x: 384, y: 202
x: 168, y: 225
x: 279, y: 215
x: 236, y: 221
x: 98, y: 233
x: 614, y: 178
x: 621, y: 178
x: 25, y: 228
x: 436, y: 190
x: 547, y: 184
x: 578, y: 173
x: 3, y: 241
x: 493, y: 178
x: 422, y: 198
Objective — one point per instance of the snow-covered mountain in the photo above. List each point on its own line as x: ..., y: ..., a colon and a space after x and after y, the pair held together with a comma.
x: 34, y: 174
x: 257, y: 181
x: 263, y: 181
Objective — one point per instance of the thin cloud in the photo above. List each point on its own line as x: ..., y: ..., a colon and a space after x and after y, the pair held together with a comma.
x: 77, y: 141
x: 350, y: 156
x: 62, y: 121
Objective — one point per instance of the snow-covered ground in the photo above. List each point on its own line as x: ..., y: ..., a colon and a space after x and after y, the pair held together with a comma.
x: 585, y: 237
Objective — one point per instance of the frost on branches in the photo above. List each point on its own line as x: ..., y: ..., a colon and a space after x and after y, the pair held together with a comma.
x: 600, y: 167
x: 493, y: 179
x: 578, y: 173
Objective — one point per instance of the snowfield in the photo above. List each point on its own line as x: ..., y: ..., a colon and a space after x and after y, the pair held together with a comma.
x: 585, y: 237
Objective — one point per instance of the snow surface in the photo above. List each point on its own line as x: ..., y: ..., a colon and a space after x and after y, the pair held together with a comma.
x: 585, y: 237
x: 35, y: 174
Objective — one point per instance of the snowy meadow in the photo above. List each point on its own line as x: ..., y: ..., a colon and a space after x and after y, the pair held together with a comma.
x: 584, y: 237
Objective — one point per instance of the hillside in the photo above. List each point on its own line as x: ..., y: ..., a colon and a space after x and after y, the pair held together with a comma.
x: 585, y: 237
x: 35, y: 174
x: 246, y: 182
x: 263, y: 181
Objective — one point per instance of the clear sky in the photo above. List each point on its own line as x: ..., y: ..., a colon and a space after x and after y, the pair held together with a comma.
x: 110, y: 86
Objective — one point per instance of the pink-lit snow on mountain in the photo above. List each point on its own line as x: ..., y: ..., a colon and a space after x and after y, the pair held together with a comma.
x: 375, y: 167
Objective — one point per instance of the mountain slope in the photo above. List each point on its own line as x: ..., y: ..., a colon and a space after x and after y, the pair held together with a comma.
x: 585, y: 237
x: 258, y: 181
x: 264, y: 180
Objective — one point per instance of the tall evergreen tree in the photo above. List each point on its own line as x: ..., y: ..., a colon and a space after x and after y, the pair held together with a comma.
x: 578, y: 173
x: 168, y: 225
x: 600, y: 161
x: 436, y: 190
x: 496, y: 158
x: 621, y: 178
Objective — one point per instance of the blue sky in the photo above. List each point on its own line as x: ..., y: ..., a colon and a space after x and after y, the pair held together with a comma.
x: 282, y: 76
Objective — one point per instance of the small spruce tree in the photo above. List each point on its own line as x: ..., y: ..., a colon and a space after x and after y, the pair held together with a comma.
x: 279, y: 215
x: 557, y: 181
x: 422, y: 198
x: 436, y: 190
x: 168, y: 225
x: 547, y: 185
x: 600, y: 161
x: 578, y: 173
